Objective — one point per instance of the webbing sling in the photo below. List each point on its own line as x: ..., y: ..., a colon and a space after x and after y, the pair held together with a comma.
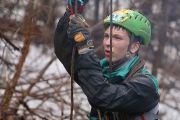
x: 142, y: 117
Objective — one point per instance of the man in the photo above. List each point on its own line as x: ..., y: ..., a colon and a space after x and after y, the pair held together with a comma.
x: 130, y: 92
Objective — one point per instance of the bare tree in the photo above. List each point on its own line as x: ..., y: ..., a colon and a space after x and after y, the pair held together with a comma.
x: 29, y: 89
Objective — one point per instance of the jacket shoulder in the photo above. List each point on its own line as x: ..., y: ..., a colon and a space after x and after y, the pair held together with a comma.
x: 145, y: 82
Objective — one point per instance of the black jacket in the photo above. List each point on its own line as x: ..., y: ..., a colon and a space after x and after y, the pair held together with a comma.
x: 134, y: 96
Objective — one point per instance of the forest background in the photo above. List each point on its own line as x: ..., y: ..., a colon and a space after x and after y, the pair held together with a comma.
x: 35, y: 85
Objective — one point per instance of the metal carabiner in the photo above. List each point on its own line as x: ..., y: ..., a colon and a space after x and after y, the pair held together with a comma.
x: 81, y: 7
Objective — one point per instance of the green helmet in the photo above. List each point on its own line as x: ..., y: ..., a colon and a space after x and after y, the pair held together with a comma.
x: 133, y: 21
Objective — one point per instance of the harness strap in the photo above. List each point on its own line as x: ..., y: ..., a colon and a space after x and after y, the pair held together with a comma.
x: 151, y: 115
x: 137, y: 67
x: 142, y: 117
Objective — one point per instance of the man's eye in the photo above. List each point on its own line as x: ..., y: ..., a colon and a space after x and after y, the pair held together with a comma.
x: 117, y: 38
x: 106, y: 36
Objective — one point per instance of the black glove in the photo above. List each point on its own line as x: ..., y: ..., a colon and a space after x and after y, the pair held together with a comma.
x: 78, y: 32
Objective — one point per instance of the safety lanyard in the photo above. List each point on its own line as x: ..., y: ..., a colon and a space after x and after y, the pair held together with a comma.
x: 142, y: 117
x: 110, y: 65
x: 73, y: 11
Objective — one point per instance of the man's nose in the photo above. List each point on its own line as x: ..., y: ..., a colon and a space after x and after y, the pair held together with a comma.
x: 107, y: 42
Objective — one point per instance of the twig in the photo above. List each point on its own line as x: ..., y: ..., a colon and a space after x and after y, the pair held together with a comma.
x: 8, y: 41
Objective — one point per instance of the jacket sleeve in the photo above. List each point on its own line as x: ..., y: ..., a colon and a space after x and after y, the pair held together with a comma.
x: 62, y: 45
x: 134, y: 96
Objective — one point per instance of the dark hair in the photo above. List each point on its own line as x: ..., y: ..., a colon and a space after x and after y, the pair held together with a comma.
x: 136, y: 38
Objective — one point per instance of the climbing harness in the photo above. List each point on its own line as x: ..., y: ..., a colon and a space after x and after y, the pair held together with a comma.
x: 150, y: 115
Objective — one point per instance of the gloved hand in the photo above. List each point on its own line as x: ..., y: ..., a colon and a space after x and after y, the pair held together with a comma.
x: 78, y: 32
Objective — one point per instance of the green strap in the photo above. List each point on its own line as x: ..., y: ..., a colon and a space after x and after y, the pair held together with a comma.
x: 154, y: 79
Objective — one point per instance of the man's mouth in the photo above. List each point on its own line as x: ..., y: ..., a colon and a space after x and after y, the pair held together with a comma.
x: 107, y: 53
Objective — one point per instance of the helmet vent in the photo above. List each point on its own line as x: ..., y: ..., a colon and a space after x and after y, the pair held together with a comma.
x: 141, y: 18
x: 145, y: 21
x: 136, y: 16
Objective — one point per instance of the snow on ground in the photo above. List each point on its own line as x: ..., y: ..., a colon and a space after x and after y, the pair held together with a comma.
x: 37, y: 58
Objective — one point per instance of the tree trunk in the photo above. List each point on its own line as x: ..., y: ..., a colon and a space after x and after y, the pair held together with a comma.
x: 162, y: 39
x: 29, y: 26
x: 96, y: 11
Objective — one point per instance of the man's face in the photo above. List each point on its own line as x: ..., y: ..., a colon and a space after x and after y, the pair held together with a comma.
x: 120, y: 42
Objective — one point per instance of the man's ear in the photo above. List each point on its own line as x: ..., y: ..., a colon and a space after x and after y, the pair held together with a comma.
x: 135, y: 47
